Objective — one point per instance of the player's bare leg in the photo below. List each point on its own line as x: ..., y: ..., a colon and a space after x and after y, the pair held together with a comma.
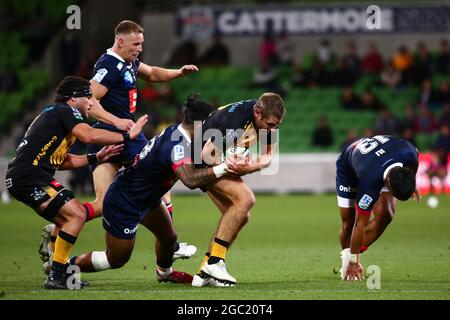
x: 235, y: 214
x: 118, y: 252
x: 103, y: 176
x: 183, y: 250
x: 159, y: 222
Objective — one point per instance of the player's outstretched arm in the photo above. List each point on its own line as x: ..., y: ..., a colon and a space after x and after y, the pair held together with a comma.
x: 73, y: 161
x: 194, y: 178
x: 355, y: 270
x: 89, y: 135
x: 158, y: 74
x: 99, y: 113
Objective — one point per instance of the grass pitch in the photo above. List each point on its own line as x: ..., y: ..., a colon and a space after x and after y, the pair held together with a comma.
x: 288, y: 250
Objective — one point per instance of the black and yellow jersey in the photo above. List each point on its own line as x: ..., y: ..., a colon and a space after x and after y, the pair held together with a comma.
x: 47, y: 140
x: 236, y: 124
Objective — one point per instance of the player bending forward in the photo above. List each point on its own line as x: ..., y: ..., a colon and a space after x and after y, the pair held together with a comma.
x: 371, y: 174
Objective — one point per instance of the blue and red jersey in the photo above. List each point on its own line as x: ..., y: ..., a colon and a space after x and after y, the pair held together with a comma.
x: 152, y: 175
x: 119, y: 77
x: 362, y: 168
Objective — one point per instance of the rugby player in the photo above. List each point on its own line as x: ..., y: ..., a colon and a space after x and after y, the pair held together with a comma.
x: 44, y: 149
x: 135, y: 197
x: 371, y: 174
x: 240, y: 124
x: 114, y: 89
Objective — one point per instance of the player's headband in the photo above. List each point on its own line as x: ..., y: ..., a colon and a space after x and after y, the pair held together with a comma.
x: 84, y: 91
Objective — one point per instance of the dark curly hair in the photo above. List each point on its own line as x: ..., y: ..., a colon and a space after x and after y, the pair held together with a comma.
x: 72, y: 86
x: 402, y: 182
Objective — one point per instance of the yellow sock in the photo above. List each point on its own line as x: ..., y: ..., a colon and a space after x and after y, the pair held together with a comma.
x: 205, y: 259
x: 63, y: 247
x: 218, y: 251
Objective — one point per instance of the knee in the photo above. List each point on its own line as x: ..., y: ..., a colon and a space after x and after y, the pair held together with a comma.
x: 246, y: 200
x: 168, y: 240
x: 246, y: 217
x: 76, y: 216
x: 118, y: 262
x: 347, y: 224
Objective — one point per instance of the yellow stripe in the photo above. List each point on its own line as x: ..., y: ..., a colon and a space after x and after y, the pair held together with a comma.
x: 218, y: 251
x: 60, y: 153
x: 225, y: 106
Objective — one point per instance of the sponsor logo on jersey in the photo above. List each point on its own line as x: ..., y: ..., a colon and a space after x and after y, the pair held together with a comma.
x: 49, y: 108
x: 76, y: 113
x: 119, y: 66
x: 178, y: 153
x: 22, y: 144
x: 101, y: 73
x: 365, y: 202
x: 38, y: 194
x: 44, y: 150
x: 55, y: 183
x: 128, y: 77
x: 347, y: 188
x: 130, y: 231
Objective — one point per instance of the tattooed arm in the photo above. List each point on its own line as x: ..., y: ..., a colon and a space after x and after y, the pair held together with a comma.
x: 194, y: 178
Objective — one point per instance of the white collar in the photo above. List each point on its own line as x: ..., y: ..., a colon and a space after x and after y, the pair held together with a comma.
x: 184, y: 133
x: 115, y: 55
x: 397, y: 164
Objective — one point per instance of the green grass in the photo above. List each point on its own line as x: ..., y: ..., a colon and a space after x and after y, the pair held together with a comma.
x: 288, y: 250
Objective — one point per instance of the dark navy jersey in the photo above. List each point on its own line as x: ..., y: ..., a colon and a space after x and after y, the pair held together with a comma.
x: 153, y: 173
x: 119, y: 77
x: 368, y: 161
x: 234, y: 121
x: 47, y: 140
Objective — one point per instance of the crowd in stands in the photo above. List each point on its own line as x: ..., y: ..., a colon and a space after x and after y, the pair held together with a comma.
x: 321, y: 68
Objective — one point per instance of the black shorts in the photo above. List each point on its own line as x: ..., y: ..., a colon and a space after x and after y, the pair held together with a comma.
x: 33, y: 189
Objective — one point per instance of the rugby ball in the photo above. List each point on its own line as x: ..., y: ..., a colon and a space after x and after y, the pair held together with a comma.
x: 233, y: 150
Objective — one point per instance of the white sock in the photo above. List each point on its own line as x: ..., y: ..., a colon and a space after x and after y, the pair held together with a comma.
x: 164, y: 271
x: 100, y: 261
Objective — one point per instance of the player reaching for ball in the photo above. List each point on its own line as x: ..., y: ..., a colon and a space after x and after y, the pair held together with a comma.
x: 371, y: 174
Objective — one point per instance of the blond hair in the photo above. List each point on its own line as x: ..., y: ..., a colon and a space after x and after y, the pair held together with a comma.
x: 127, y: 27
x: 271, y: 103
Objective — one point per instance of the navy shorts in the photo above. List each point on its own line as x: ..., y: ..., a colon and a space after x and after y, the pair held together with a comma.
x: 346, y: 182
x: 121, y: 217
x: 130, y: 149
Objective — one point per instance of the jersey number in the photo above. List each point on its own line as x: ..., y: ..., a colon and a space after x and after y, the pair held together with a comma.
x: 132, y: 95
x: 369, y: 144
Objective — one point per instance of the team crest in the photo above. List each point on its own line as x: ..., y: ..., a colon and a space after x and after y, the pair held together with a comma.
x: 128, y: 77
x: 76, y: 113
x: 178, y: 153
x: 101, y: 73
x: 365, y: 202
